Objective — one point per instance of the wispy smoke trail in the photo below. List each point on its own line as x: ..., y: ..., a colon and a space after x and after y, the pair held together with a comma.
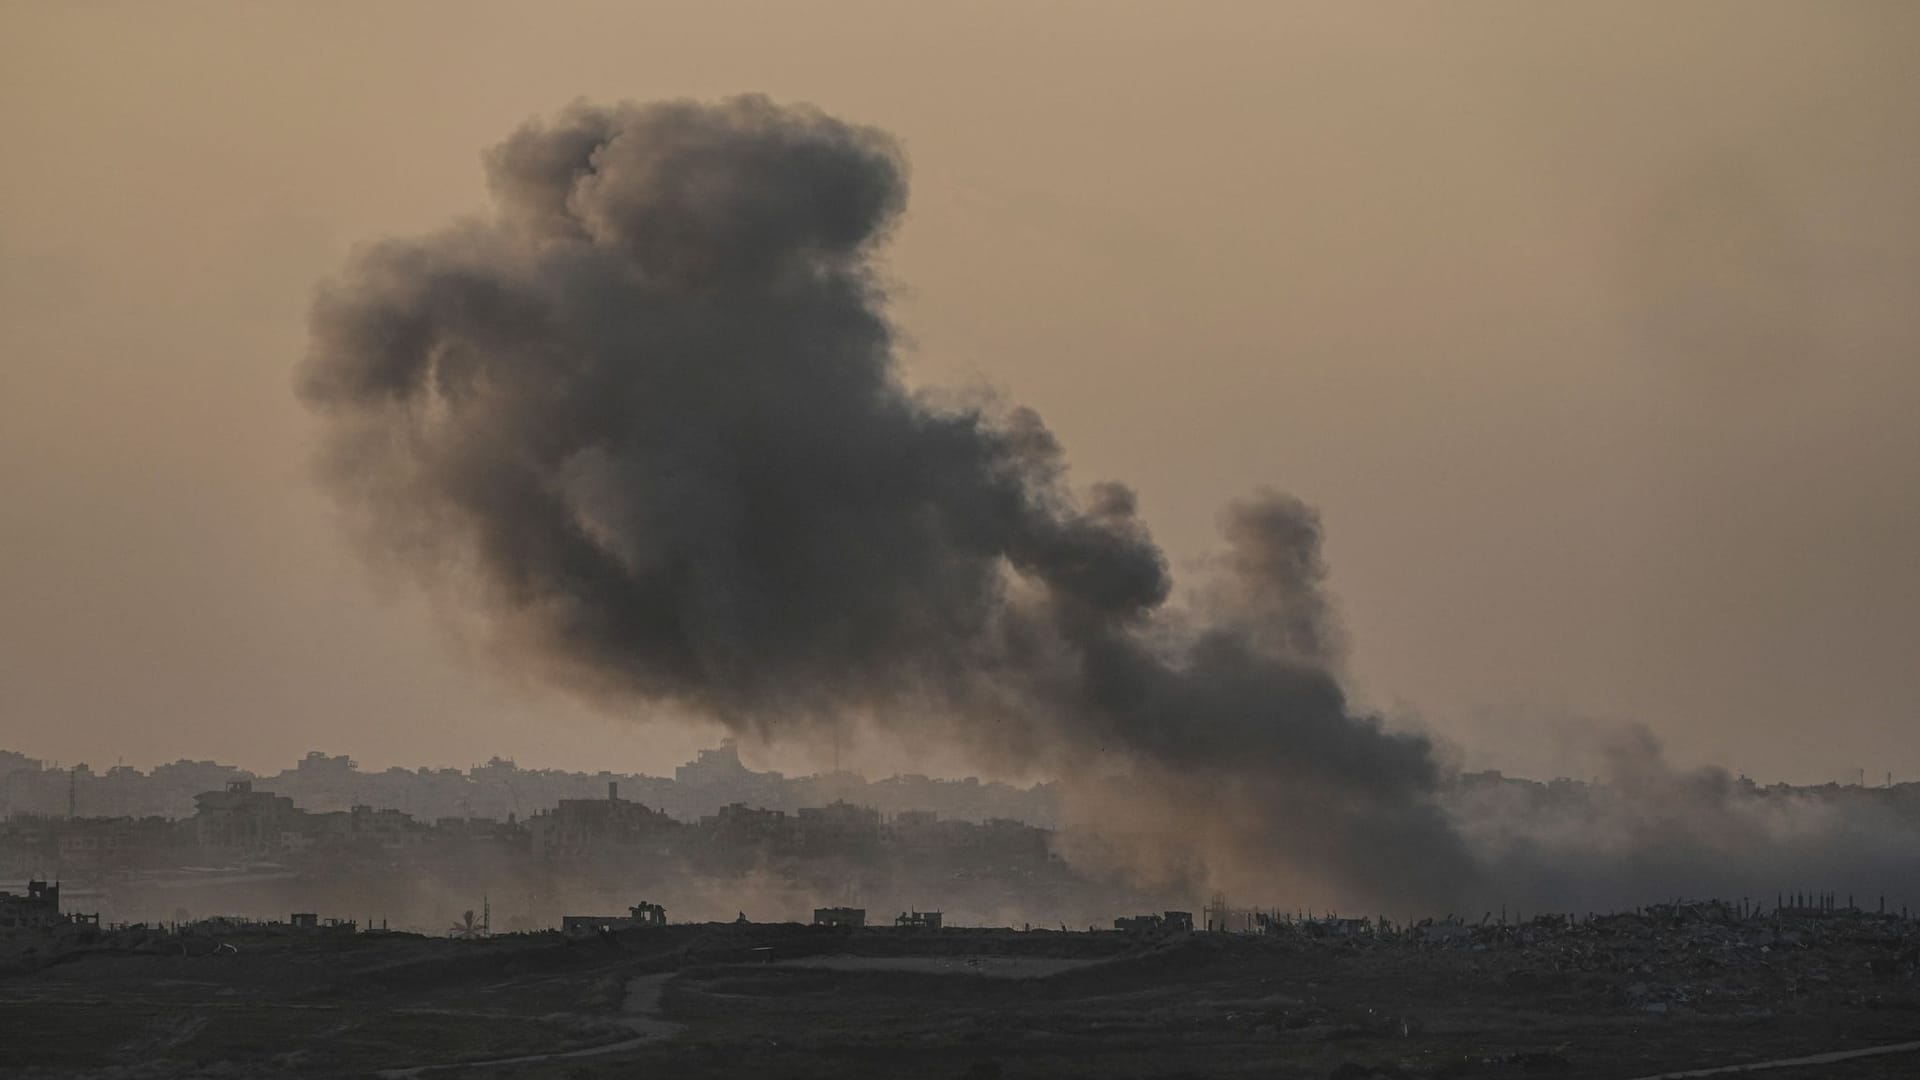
x: 646, y: 424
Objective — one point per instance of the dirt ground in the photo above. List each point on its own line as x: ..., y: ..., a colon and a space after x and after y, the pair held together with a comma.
x: 1628, y: 999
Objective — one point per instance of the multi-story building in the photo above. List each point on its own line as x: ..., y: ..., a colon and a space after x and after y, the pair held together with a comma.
x: 839, y: 828
x: 244, y: 821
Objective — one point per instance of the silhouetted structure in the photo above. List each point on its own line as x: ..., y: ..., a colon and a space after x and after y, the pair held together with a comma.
x: 840, y: 916
x: 1168, y: 921
x: 639, y: 915
x: 38, y: 909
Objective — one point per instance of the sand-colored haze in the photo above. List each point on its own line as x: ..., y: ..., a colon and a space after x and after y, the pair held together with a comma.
x: 1590, y: 334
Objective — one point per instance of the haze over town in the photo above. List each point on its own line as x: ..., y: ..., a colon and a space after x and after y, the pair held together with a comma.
x: 986, y: 541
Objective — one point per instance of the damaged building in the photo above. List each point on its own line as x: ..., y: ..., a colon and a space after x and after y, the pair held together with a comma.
x: 643, y: 914
x: 37, y: 909
x: 1166, y: 922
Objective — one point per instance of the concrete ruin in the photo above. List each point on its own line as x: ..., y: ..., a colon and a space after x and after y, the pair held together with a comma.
x: 643, y: 914
x: 1166, y: 922
x: 38, y: 909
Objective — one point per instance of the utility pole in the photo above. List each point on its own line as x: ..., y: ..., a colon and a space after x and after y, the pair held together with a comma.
x: 73, y: 791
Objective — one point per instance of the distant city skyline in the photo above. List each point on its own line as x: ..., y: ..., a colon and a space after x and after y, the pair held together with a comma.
x: 817, y: 763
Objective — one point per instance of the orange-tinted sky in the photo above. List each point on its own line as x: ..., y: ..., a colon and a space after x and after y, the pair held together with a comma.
x: 1590, y: 328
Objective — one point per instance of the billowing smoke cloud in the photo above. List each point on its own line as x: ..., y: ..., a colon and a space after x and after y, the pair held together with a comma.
x: 646, y: 424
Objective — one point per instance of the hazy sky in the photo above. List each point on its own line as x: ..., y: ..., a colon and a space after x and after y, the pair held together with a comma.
x: 1592, y: 330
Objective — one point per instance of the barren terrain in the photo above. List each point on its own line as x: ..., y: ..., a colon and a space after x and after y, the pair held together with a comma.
x: 1626, y: 997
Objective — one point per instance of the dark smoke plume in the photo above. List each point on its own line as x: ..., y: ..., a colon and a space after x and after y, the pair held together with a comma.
x: 646, y: 423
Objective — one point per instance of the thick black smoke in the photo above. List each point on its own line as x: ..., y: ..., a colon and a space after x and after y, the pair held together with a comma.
x: 646, y: 423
